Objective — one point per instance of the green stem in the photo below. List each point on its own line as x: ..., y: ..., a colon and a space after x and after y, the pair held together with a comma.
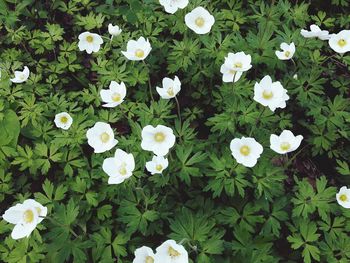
x: 257, y: 122
x: 178, y: 109
x: 62, y: 225
x: 149, y: 81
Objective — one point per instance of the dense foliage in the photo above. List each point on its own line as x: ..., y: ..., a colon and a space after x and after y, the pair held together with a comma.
x: 282, y: 210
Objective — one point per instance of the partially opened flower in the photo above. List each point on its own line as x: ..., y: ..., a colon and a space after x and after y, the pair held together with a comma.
x: 234, y: 66
x: 114, y: 30
x: 199, y: 20
x: 157, y: 139
x: 170, y: 88
x: 101, y: 137
x: 340, y: 42
x: 315, y: 31
x: 171, y: 252
x: 119, y: 167
x: 90, y: 42
x: 271, y: 94
x: 157, y: 165
x: 286, y: 142
x: 171, y: 6
x: 25, y: 217
x: 137, y: 49
x: 144, y: 255
x: 114, y: 95
x: 246, y: 151
x: 343, y: 197
x: 287, y: 51
x: 21, y: 76
x: 63, y: 120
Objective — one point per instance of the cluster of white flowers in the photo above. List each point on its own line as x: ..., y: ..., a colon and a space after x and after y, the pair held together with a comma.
x: 168, y: 252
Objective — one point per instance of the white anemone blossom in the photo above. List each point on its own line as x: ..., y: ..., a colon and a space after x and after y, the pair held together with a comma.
x: 199, y: 20
x: 63, y: 120
x: 246, y: 151
x: 315, y: 31
x: 90, y: 42
x: 157, y: 139
x: 270, y: 94
x: 101, y: 137
x: 234, y: 66
x: 287, y: 52
x: 114, y: 95
x: 343, y: 197
x: 157, y: 165
x: 144, y: 254
x: 137, y: 49
x: 170, y: 88
x: 25, y: 217
x: 171, y: 6
x: 286, y: 142
x: 340, y: 42
x: 171, y: 252
x: 21, y: 76
x: 119, y: 167
x: 114, y: 30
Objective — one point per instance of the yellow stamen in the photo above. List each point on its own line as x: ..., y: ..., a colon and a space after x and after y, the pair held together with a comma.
x: 90, y: 39
x: 199, y: 22
x: 267, y: 95
x: 159, y: 167
x: 139, y: 53
x: 245, y: 150
x: 159, y: 137
x: 116, y: 97
x: 149, y: 259
x: 123, y: 170
x: 104, y: 137
x: 64, y: 119
x: 342, y: 42
x: 287, y: 54
x: 238, y: 65
x: 173, y: 253
x: 170, y: 92
x: 343, y: 198
x: 285, y: 146
x: 28, y: 216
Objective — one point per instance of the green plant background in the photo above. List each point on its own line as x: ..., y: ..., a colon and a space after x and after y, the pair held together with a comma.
x: 282, y: 210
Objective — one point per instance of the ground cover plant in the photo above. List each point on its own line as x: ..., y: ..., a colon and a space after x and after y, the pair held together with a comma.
x: 174, y: 131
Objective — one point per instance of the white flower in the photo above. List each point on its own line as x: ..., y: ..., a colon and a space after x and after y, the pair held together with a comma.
x: 137, y: 49
x: 340, y: 42
x: 144, y: 255
x: 170, y: 88
x: 315, y: 31
x: 287, y: 51
x: 171, y: 6
x: 114, y: 95
x: 119, y: 167
x: 25, y: 217
x: 63, y: 120
x: 90, y: 42
x: 114, y: 30
x: 157, y: 139
x: 157, y: 165
x: 199, y: 20
x: 246, y: 151
x: 235, y: 64
x: 170, y: 252
x: 285, y: 143
x: 101, y: 137
x: 271, y: 94
x: 343, y: 197
x: 21, y: 76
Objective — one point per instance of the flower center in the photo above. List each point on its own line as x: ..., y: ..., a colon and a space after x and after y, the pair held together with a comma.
x: 116, y: 97
x: 104, y: 137
x: 238, y: 65
x: 287, y: 54
x: 343, y: 198
x: 64, y: 119
x: 245, y: 150
x: 267, y: 95
x: 22, y: 77
x: 199, y: 21
x: 173, y: 253
x: 159, y: 167
x: 149, y: 259
x: 139, y: 53
x: 28, y: 216
x: 170, y: 91
x: 342, y: 42
x: 285, y: 146
x: 159, y: 137
x: 38, y: 209
x: 89, y: 39
x: 122, y: 169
